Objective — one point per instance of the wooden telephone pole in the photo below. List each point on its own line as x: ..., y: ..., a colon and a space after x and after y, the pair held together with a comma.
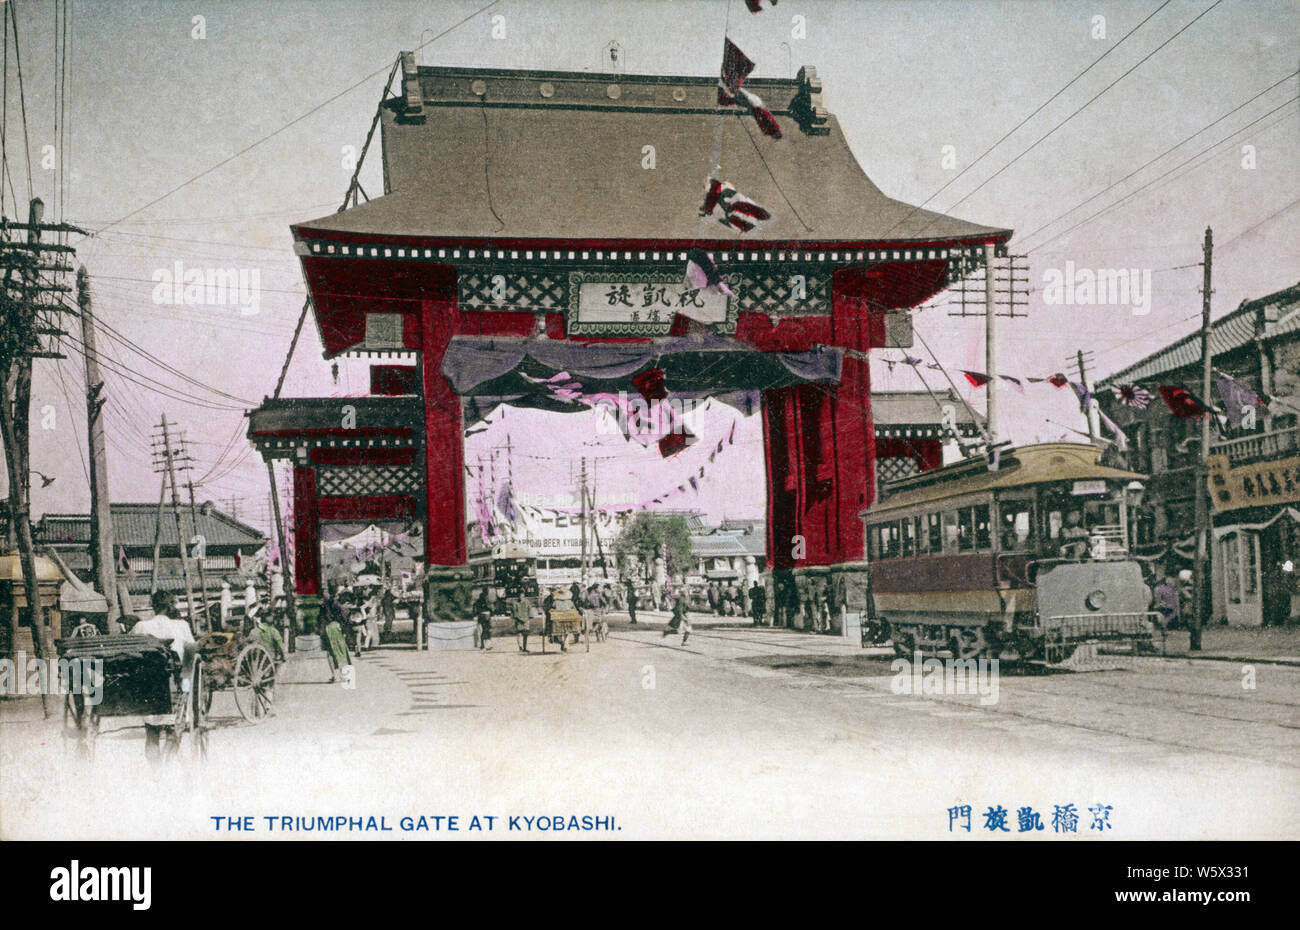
x: 167, y: 465
x: 26, y: 317
x: 1201, y: 578
x: 101, y: 517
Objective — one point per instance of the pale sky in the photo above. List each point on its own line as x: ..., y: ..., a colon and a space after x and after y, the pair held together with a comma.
x: 149, y: 107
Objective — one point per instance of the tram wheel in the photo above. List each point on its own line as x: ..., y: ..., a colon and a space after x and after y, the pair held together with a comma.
x: 904, y: 641
x: 968, y: 643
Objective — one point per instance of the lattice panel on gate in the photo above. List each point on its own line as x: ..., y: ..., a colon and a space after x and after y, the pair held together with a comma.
x: 367, y: 480
x: 514, y: 290
x: 895, y: 467
x: 777, y: 292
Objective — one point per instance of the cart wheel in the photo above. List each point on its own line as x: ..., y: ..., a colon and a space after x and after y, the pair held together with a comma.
x: 80, y: 725
x: 254, y: 682
x: 202, y: 697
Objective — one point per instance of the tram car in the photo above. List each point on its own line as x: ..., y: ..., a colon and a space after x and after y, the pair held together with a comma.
x: 1023, y: 562
x: 510, y: 570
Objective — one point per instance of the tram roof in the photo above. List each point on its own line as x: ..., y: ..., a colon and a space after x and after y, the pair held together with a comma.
x: 544, y: 155
x: 1047, y: 463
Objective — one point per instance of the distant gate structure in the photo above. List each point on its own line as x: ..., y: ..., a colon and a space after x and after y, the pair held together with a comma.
x: 523, y: 231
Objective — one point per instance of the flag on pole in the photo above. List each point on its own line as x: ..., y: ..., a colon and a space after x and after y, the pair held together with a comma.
x: 703, y: 274
x: 1131, y: 395
x: 1121, y: 440
x: 1238, y: 398
x: 731, y: 208
x: 1184, y: 404
x: 1084, y: 395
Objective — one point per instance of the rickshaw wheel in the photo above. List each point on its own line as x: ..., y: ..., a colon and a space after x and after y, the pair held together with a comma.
x: 80, y: 723
x: 201, y: 695
x: 254, y: 682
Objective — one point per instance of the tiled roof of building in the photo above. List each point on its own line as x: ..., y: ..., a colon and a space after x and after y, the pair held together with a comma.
x: 134, y: 526
x: 1229, y: 332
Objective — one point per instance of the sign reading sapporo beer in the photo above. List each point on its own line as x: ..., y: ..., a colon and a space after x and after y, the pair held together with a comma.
x: 608, y: 303
x: 1253, y: 485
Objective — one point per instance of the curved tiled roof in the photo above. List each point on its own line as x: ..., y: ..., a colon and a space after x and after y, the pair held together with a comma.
x: 557, y: 155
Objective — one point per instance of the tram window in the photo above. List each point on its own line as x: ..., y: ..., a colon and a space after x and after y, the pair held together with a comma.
x: 934, y: 532
x: 950, y: 531
x: 983, y: 535
x: 966, y: 529
x: 890, y: 531
x: 909, y: 536
x: 1017, y: 519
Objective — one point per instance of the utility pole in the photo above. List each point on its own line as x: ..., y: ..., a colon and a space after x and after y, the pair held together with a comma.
x: 169, y: 464
x: 101, y: 516
x: 284, y: 555
x: 157, y: 535
x: 1203, y: 564
x: 203, y: 580
x: 582, y: 571
x: 990, y: 346
x: 1090, y: 407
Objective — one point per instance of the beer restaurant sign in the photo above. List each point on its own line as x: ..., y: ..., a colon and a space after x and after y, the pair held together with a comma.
x: 1257, y: 485
x: 605, y: 303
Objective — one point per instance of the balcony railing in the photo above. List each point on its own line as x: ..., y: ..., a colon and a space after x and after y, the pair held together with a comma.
x: 1263, y: 447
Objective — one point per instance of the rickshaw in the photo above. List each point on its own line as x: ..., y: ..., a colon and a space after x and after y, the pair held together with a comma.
x: 240, y: 663
x: 141, y: 677
x: 566, y: 620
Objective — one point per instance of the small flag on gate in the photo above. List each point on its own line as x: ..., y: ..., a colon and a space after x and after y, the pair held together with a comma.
x: 702, y: 273
x: 732, y: 208
x: 735, y: 68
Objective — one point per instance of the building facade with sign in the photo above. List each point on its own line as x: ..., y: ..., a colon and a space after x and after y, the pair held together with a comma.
x: 1254, y: 467
x: 537, y: 224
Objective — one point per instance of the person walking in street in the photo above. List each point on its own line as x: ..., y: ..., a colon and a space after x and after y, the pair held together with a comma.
x: 521, y: 611
x: 330, y: 621
x: 758, y: 603
x: 680, y: 620
x: 631, y: 599
x: 483, y: 616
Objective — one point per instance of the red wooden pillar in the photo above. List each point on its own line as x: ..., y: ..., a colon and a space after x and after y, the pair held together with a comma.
x: 306, y: 531
x: 444, y: 470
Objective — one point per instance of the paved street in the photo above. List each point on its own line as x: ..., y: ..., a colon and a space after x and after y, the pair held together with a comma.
x: 742, y: 732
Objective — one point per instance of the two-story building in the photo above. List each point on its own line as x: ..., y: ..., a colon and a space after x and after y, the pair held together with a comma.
x: 1254, y: 466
